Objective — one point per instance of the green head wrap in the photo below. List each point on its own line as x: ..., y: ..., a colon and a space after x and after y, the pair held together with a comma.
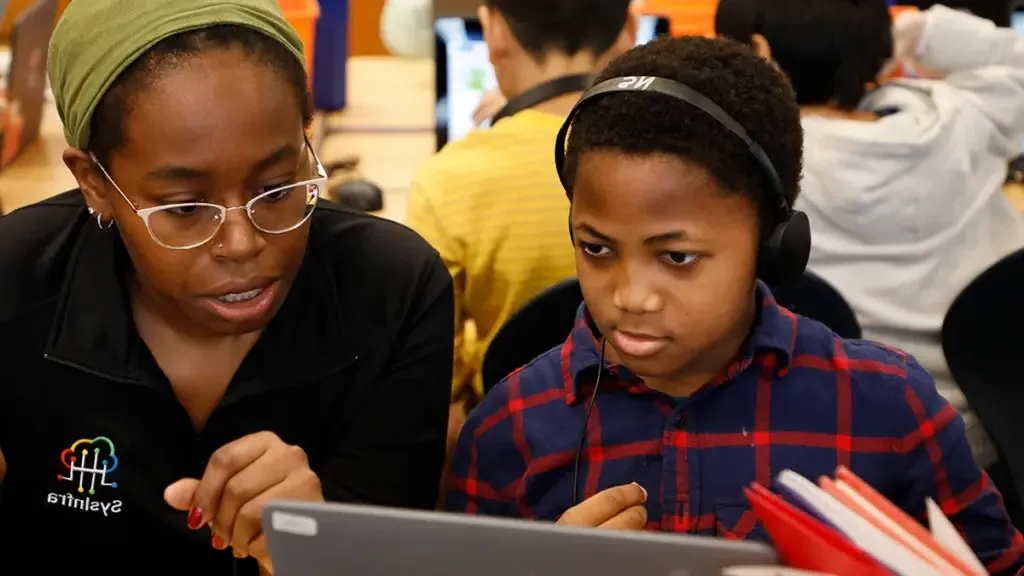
x: 95, y: 40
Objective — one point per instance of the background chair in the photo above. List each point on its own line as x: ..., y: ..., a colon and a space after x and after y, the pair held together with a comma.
x: 815, y: 298
x: 541, y: 324
x: 982, y: 337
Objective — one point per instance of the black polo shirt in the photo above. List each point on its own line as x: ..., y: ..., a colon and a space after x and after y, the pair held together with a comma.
x: 355, y: 369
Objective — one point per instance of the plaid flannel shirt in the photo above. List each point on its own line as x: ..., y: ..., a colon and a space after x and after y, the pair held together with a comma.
x: 798, y: 398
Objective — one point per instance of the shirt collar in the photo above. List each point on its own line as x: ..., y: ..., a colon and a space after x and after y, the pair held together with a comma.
x: 93, y: 328
x: 774, y: 332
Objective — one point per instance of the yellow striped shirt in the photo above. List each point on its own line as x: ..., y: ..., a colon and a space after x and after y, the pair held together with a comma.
x: 492, y: 205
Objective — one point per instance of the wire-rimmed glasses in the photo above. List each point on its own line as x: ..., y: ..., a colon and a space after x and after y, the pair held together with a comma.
x: 191, y: 224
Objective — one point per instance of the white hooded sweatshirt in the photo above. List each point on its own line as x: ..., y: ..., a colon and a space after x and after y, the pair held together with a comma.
x: 907, y: 210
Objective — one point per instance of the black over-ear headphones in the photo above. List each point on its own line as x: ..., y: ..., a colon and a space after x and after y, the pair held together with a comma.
x: 784, y: 253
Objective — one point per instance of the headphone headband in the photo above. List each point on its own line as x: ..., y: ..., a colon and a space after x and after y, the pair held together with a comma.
x: 787, y: 244
x: 682, y: 92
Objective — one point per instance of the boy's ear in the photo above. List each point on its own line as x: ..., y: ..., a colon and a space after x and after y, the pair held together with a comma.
x: 625, y: 42
x: 496, y: 33
x: 761, y: 46
x: 629, y: 30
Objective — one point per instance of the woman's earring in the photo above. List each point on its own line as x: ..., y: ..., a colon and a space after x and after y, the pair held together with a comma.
x: 103, y: 225
x: 92, y: 211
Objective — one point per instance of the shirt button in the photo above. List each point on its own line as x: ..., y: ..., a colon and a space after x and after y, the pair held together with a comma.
x: 680, y: 421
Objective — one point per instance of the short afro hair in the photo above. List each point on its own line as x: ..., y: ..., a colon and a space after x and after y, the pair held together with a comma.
x: 744, y: 85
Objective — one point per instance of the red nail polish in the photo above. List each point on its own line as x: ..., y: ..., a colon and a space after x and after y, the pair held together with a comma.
x: 218, y: 543
x: 195, y: 518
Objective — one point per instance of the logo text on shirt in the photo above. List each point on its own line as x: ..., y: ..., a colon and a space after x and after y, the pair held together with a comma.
x: 89, y: 465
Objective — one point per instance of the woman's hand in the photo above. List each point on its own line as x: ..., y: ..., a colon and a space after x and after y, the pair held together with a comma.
x: 240, y: 478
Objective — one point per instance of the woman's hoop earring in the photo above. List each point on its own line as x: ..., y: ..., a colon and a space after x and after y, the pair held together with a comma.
x: 103, y: 225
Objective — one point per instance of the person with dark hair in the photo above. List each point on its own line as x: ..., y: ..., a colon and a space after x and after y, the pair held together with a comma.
x: 683, y: 380
x: 831, y: 50
x: 902, y: 182
x: 194, y: 331
x: 489, y: 202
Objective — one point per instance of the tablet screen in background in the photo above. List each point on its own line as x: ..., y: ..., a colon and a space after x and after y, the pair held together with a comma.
x: 463, y: 72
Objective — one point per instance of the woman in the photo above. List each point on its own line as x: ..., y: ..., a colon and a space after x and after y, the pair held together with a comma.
x: 183, y: 338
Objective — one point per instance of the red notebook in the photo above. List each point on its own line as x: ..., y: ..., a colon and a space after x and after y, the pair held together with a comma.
x: 803, y: 542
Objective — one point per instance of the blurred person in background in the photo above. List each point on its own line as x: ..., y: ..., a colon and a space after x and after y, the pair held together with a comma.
x: 998, y: 11
x: 491, y: 202
x: 902, y: 182
x: 407, y: 27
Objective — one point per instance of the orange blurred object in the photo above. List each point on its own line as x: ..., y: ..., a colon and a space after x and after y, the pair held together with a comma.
x: 697, y: 17
x: 688, y: 17
x: 303, y: 15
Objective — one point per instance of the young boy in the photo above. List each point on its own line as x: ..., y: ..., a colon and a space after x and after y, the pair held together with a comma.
x: 707, y: 384
x: 490, y: 202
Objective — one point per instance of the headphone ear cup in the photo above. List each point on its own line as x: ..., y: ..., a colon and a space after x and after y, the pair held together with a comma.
x: 784, y: 255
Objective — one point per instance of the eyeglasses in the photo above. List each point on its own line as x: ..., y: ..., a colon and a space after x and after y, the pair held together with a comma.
x: 191, y: 224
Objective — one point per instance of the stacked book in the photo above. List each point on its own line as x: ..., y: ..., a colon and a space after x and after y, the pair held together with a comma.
x: 843, y: 527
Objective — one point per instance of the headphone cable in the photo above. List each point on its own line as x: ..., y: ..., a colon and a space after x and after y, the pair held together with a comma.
x: 583, y: 432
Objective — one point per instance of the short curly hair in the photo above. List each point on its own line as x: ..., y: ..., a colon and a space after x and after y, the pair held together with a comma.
x: 744, y: 85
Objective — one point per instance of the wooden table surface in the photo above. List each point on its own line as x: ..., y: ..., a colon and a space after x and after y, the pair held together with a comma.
x: 388, y: 123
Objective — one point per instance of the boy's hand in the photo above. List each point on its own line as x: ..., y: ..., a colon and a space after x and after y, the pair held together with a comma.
x: 618, y: 508
x: 490, y: 104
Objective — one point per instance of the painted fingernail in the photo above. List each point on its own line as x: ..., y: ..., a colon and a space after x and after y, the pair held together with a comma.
x: 218, y: 543
x: 642, y: 489
x: 195, y: 518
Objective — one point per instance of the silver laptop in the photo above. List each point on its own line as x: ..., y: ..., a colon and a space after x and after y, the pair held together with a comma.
x: 329, y: 539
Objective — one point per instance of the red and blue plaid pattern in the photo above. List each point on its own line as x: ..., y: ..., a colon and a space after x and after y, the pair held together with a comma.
x: 799, y: 398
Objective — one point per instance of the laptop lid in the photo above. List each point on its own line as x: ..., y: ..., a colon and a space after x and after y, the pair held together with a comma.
x: 463, y: 72
x: 308, y: 539
x: 26, y: 80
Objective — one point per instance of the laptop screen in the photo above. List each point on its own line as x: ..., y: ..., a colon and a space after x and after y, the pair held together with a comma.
x: 464, y: 73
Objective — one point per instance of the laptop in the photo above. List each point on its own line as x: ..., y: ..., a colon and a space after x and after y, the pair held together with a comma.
x: 307, y: 539
x: 26, y: 79
x: 463, y: 72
